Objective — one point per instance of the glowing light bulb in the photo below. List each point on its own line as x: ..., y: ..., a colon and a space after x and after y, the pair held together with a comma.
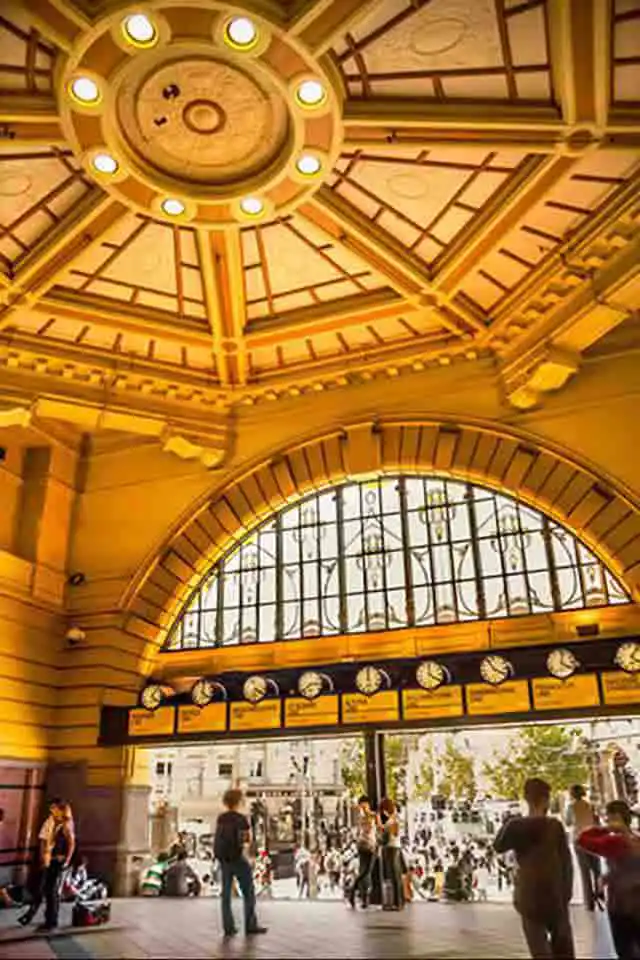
x: 241, y: 33
x: 252, y: 206
x: 104, y: 163
x: 139, y: 29
x: 311, y: 93
x: 308, y: 165
x: 85, y: 90
x: 173, y: 207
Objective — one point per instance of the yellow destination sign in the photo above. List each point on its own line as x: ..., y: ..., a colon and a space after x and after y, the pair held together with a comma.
x: 259, y: 716
x: 151, y: 723
x: 207, y: 719
x: 383, y: 706
x: 578, y: 691
x: 510, y: 697
x: 299, y: 712
x: 422, y: 704
x: 620, y: 687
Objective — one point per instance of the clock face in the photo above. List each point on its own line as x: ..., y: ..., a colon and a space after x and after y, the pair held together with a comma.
x: 495, y: 669
x: 152, y: 696
x: 562, y: 663
x: 431, y: 675
x: 628, y: 657
x: 369, y: 680
x: 255, y: 689
x: 203, y: 692
x: 310, y: 685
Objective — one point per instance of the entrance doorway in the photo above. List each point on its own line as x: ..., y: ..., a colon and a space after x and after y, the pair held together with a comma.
x: 453, y: 787
x: 301, y: 799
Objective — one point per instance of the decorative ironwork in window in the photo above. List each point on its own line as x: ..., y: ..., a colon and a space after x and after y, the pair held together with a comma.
x: 391, y: 553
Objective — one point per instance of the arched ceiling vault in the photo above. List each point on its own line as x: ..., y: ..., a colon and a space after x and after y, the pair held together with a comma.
x: 478, y: 196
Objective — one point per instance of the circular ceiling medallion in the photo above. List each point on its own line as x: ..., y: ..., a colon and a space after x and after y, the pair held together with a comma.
x: 408, y: 186
x: 15, y: 185
x: 203, y: 120
x: 439, y: 36
x: 203, y: 108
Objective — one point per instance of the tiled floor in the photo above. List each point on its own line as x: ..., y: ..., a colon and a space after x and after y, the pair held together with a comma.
x: 172, y: 929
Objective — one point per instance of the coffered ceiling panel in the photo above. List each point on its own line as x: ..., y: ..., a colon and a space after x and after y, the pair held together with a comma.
x: 423, y: 197
x: 449, y: 49
x: 625, y: 45
x: 292, y: 264
x: 27, y: 59
x: 37, y: 189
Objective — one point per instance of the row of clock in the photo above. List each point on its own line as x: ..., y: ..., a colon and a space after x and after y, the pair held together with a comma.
x: 495, y: 669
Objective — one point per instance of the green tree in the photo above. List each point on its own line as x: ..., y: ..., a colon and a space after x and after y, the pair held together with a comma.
x: 396, y: 754
x: 353, y: 767
x: 457, y: 772
x: 556, y: 754
x: 425, y: 782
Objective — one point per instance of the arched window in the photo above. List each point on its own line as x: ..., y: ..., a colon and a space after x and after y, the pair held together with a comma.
x: 390, y: 553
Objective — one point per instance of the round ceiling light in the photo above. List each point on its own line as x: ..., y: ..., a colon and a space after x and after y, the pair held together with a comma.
x: 562, y: 663
x: 85, y: 90
x: 172, y: 207
x: 139, y: 30
x: 311, y: 93
x: 152, y: 696
x: 431, y: 675
x: 308, y: 165
x: 202, y: 692
x: 628, y: 657
x: 495, y: 669
x: 104, y: 163
x: 369, y: 680
x: 310, y: 685
x: 252, y: 206
x: 255, y: 688
x: 241, y: 33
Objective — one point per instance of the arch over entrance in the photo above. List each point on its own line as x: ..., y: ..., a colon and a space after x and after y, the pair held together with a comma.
x: 569, y: 493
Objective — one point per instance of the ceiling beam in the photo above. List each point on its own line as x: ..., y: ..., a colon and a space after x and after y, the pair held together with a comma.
x: 326, y: 317
x: 414, y: 113
x: 405, y: 272
x: 579, y: 47
x: 320, y: 23
x: 220, y: 255
x: 527, y: 190
x: 117, y: 316
x: 27, y: 108
x: 60, y: 21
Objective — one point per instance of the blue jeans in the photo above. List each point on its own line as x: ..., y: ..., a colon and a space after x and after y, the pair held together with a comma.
x: 240, y: 870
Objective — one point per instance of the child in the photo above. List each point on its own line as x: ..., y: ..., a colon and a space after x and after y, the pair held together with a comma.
x: 621, y: 848
x: 544, y: 881
x: 481, y: 881
x: 233, y: 835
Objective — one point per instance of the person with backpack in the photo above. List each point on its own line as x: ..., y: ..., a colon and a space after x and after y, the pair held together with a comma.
x: 620, y: 847
x: 544, y: 880
x: 232, y: 838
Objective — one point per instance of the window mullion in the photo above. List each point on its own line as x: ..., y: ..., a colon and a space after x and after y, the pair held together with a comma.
x: 410, y: 603
x: 279, y: 625
x: 342, y: 579
x: 481, y: 598
x: 551, y: 564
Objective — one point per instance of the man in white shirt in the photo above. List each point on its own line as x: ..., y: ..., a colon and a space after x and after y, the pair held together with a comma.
x: 580, y: 816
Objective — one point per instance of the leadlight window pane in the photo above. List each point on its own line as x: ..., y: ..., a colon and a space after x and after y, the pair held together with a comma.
x: 345, y: 554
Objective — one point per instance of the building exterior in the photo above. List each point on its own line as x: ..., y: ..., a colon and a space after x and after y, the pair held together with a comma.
x: 373, y: 241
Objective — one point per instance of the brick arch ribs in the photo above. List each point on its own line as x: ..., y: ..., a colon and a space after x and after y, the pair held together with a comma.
x: 605, y: 519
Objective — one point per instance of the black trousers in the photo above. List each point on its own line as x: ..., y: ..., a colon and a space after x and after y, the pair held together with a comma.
x: 590, y: 874
x: 549, y: 937
x: 367, y: 859
x: 625, y: 932
x: 47, y: 888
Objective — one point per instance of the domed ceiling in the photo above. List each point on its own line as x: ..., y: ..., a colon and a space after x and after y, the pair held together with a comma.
x: 205, y: 204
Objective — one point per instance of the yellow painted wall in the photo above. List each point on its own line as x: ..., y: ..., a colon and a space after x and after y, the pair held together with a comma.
x: 131, y: 496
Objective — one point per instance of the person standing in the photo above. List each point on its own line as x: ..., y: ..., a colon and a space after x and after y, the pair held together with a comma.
x: 391, y: 853
x: 544, y: 880
x: 231, y: 841
x: 620, y: 846
x: 366, y: 843
x: 56, y: 847
x: 579, y: 817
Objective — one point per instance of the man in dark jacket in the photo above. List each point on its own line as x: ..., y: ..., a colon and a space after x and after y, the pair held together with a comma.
x: 544, y: 881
